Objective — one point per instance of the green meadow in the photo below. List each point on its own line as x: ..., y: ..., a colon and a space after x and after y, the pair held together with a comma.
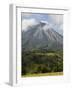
x: 44, y: 74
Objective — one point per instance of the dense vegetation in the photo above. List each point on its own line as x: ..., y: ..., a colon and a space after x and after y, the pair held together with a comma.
x: 41, y: 61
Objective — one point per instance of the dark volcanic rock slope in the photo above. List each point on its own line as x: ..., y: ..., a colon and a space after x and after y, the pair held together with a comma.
x: 41, y: 36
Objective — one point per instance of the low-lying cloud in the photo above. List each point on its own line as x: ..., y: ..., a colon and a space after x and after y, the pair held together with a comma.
x: 28, y: 22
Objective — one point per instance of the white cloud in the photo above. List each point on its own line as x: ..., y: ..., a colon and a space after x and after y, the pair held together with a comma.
x: 44, y: 21
x: 61, y: 27
x: 28, y: 22
x: 57, y: 19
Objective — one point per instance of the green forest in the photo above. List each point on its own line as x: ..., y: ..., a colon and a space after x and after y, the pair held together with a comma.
x: 38, y: 62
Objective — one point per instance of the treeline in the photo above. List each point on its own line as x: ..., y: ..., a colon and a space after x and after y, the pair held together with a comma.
x: 33, y: 63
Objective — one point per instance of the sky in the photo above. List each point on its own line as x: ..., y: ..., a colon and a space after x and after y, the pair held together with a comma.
x: 55, y: 20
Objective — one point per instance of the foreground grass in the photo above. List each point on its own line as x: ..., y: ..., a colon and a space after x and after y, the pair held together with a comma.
x: 44, y: 74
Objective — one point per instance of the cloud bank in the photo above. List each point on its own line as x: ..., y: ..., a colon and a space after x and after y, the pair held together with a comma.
x: 54, y: 20
x: 28, y: 22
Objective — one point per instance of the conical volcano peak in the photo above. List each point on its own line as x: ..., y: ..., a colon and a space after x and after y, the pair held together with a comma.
x: 42, y: 24
x: 45, y: 24
x: 41, y: 35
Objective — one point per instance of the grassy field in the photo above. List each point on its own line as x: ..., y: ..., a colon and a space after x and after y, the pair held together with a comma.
x: 44, y: 74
